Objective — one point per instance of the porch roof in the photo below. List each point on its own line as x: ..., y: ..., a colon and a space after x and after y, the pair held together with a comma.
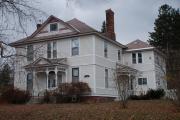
x: 44, y: 62
x: 123, y: 69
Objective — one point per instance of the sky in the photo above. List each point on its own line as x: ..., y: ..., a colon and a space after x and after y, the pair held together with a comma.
x: 133, y: 18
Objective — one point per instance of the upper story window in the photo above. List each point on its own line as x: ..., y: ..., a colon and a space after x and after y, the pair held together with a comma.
x: 54, y: 50
x: 119, y: 54
x: 106, y: 78
x: 142, y: 81
x: 49, y: 50
x: 134, y: 58
x: 30, y: 53
x: 75, y: 74
x: 139, y: 57
x: 53, y: 27
x: 75, y: 47
x: 105, y: 49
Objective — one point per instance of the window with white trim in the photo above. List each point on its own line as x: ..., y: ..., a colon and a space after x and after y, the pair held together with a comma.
x: 134, y: 58
x: 105, y: 49
x: 53, y: 27
x: 106, y: 78
x: 75, y: 47
x: 54, y: 50
x: 142, y: 81
x: 119, y: 54
x: 139, y: 57
x: 49, y: 50
x: 75, y: 74
x: 30, y: 53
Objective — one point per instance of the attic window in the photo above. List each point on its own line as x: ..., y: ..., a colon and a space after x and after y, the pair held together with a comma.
x: 53, y: 27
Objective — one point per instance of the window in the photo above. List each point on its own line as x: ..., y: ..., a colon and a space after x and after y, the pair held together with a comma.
x: 54, y: 27
x: 139, y: 57
x: 30, y: 53
x: 142, y: 81
x: 119, y: 54
x: 29, y: 81
x: 51, y: 79
x: 105, y: 49
x: 106, y: 78
x: 134, y: 58
x: 75, y: 47
x: 49, y: 50
x: 75, y: 74
x: 54, y: 50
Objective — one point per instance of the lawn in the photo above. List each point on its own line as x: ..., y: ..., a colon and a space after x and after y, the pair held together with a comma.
x: 137, y: 110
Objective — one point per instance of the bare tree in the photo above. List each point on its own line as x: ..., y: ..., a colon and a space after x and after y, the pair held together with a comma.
x: 122, y: 83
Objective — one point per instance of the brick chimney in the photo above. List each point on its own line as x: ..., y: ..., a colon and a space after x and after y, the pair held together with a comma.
x: 110, y: 24
x: 38, y: 26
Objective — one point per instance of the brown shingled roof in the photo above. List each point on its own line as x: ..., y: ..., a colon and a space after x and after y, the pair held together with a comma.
x: 138, y: 44
x: 80, y: 26
x: 79, y: 29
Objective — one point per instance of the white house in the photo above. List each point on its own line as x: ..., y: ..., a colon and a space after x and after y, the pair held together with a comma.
x: 151, y: 62
x: 71, y: 51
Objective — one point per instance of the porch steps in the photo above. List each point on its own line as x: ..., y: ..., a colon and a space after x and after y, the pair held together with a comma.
x: 35, y: 100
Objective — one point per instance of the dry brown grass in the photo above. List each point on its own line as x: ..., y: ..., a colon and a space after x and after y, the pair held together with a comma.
x: 137, y: 110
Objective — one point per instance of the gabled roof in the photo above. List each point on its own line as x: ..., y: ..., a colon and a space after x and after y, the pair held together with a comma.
x: 80, y: 26
x: 125, y: 70
x: 78, y: 29
x: 46, y: 62
x: 52, y: 18
x: 137, y: 44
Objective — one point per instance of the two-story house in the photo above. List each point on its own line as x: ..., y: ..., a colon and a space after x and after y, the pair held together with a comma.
x: 151, y: 62
x: 72, y: 51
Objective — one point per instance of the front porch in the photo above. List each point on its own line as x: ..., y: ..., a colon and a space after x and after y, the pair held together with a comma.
x: 45, y: 75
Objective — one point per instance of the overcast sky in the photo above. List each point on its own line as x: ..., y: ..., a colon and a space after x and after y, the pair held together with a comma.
x: 133, y: 18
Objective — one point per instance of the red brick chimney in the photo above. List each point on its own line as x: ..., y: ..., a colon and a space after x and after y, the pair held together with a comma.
x: 38, y: 26
x: 110, y: 24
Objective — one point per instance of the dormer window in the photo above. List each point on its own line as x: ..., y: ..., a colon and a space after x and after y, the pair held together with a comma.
x: 53, y: 27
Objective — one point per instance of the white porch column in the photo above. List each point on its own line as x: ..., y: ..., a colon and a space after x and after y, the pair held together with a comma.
x: 66, y: 76
x: 34, y: 80
x: 56, y: 85
x: 47, y: 72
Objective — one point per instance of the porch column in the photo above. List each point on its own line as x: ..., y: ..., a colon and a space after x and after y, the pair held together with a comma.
x: 56, y: 85
x: 66, y: 75
x: 47, y: 72
x: 34, y: 80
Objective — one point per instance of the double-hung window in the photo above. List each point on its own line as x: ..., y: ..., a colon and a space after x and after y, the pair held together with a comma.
x: 105, y: 49
x: 142, y: 81
x: 53, y: 27
x: 106, y: 78
x: 139, y: 57
x: 49, y: 50
x: 75, y: 47
x: 54, y: 50
x: 134, y: 58
x: 119, y: 55
x: 75, y: 74
x: 30, y: 53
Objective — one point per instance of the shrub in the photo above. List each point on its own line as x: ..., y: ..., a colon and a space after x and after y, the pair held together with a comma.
x: 71, y: 92
x: 151, y: 94
x: 155, y: 94
x: 15, y: 96
x: 46, y: 97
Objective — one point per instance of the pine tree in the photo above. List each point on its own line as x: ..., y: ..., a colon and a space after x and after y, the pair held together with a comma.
x: 103, y: 29
x: 166, y: 35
